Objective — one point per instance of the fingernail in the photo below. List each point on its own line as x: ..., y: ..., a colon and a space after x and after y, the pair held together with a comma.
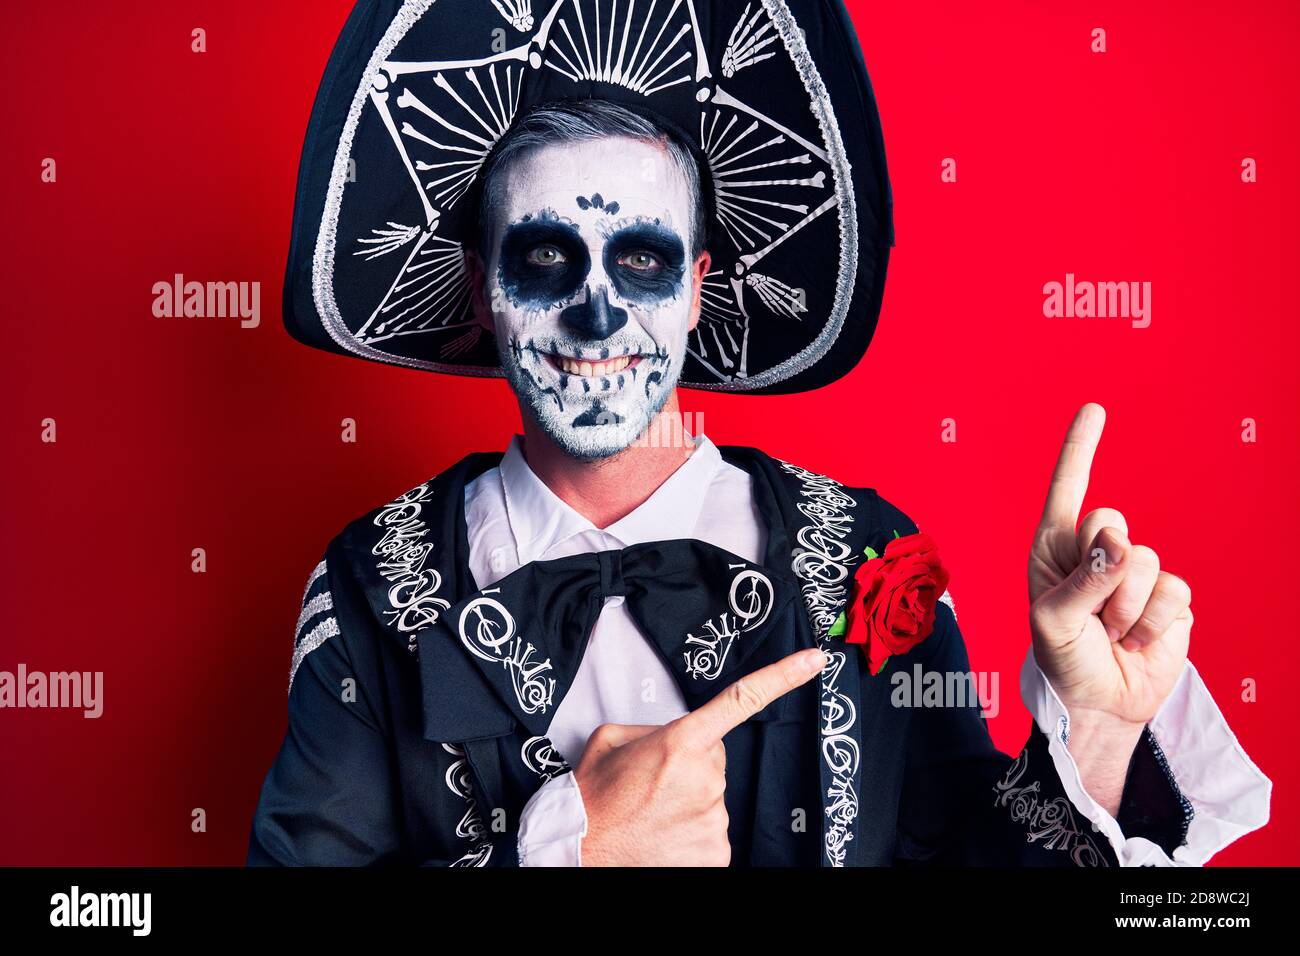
x: 1112, y: 542
x: 814, y: 659
x: 1113, y: 633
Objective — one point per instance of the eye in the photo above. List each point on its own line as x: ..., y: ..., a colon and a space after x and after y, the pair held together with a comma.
x: 545, y: 254
x: 641, y: 260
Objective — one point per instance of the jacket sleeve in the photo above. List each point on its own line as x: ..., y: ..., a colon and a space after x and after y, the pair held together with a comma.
x: 330, y: 798
x: 965, y: 802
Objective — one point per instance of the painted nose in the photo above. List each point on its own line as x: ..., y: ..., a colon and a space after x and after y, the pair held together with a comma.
x: 594, y: 319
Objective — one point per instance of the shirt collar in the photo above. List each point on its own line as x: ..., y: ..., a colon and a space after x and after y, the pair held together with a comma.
x: 540, y: 519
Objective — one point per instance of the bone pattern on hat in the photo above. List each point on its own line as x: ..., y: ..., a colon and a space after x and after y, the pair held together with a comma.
x: 444, y: 117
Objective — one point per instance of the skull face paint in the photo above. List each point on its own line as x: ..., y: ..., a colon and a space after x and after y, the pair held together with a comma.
x: 590, y: 285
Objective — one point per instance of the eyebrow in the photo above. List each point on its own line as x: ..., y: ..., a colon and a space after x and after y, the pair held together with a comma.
x: 653, y: 235
x: 546, y: 221
x: 608, y: 228
x: 546, y: 214
x: 541, y: 228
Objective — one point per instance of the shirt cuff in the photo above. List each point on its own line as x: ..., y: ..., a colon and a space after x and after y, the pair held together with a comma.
x: 552, y: 825
x: 1228, y: 793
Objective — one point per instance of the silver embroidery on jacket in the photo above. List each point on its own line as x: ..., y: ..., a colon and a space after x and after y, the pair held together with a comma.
x: 821, y: 561
x: 487, y: 629
x: 404, y: 552
x: 313, y: 629
x: 750, y: 599
x: 540, y: 756
x: 470, y: 826
x: 1051, y: 821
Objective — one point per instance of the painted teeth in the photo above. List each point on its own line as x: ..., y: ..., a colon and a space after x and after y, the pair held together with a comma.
x: 593, y: 369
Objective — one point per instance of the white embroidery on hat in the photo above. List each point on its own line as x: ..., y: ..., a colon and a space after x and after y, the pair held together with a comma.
x: 431, y: 291
x: 746, y: 44
x: 518, y: 12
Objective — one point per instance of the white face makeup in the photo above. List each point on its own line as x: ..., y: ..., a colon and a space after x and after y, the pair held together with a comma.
x: 590, y: 287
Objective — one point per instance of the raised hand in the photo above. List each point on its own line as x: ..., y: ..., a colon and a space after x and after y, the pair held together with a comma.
x: 1110, y: 628
x: 654, y: 794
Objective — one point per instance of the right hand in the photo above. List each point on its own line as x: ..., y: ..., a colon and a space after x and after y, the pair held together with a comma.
x: 654, y: 795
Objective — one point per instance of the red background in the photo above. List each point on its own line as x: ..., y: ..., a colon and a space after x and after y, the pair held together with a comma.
x: 175, y: 434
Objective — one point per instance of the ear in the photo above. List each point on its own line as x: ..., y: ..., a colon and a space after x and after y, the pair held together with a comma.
x: 476, y: 274
x: 698, y: 272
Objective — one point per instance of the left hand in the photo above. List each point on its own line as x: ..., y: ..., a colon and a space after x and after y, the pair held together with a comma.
x: 1110, y: 628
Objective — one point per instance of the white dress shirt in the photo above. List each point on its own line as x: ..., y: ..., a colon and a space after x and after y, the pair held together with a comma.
x: 513, y: 518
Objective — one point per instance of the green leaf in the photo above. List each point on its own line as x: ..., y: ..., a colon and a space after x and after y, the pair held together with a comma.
x: 896, y: 534
x: 870, y: 552
x: 839, y: 627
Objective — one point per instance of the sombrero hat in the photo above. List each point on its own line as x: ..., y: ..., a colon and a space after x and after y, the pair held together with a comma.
x: 772, y: 94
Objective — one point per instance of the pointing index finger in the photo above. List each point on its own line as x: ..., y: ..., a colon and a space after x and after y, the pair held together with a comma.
x: 710, y: 722
x: 1070, y: 480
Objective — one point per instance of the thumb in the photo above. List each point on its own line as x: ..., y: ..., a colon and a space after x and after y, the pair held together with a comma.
x: 1064, y: 609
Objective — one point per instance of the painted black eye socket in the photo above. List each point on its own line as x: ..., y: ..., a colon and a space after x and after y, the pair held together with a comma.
x: 542, y: 262
x: 646, y: 262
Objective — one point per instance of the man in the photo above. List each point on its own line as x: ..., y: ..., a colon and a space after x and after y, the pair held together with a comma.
x: 604, y: 649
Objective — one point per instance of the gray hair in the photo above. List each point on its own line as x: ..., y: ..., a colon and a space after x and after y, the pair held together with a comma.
x: 574, y: 121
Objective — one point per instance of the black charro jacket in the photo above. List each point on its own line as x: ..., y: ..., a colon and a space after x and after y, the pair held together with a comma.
x: 401, y: 748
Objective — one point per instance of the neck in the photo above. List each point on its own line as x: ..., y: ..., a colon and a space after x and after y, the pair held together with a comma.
x: 607, y: 489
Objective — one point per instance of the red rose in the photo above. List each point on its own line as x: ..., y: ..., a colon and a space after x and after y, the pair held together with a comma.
x: 892, y: 606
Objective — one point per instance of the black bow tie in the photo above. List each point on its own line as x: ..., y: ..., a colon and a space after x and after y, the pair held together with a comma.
x: 710, y: 613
